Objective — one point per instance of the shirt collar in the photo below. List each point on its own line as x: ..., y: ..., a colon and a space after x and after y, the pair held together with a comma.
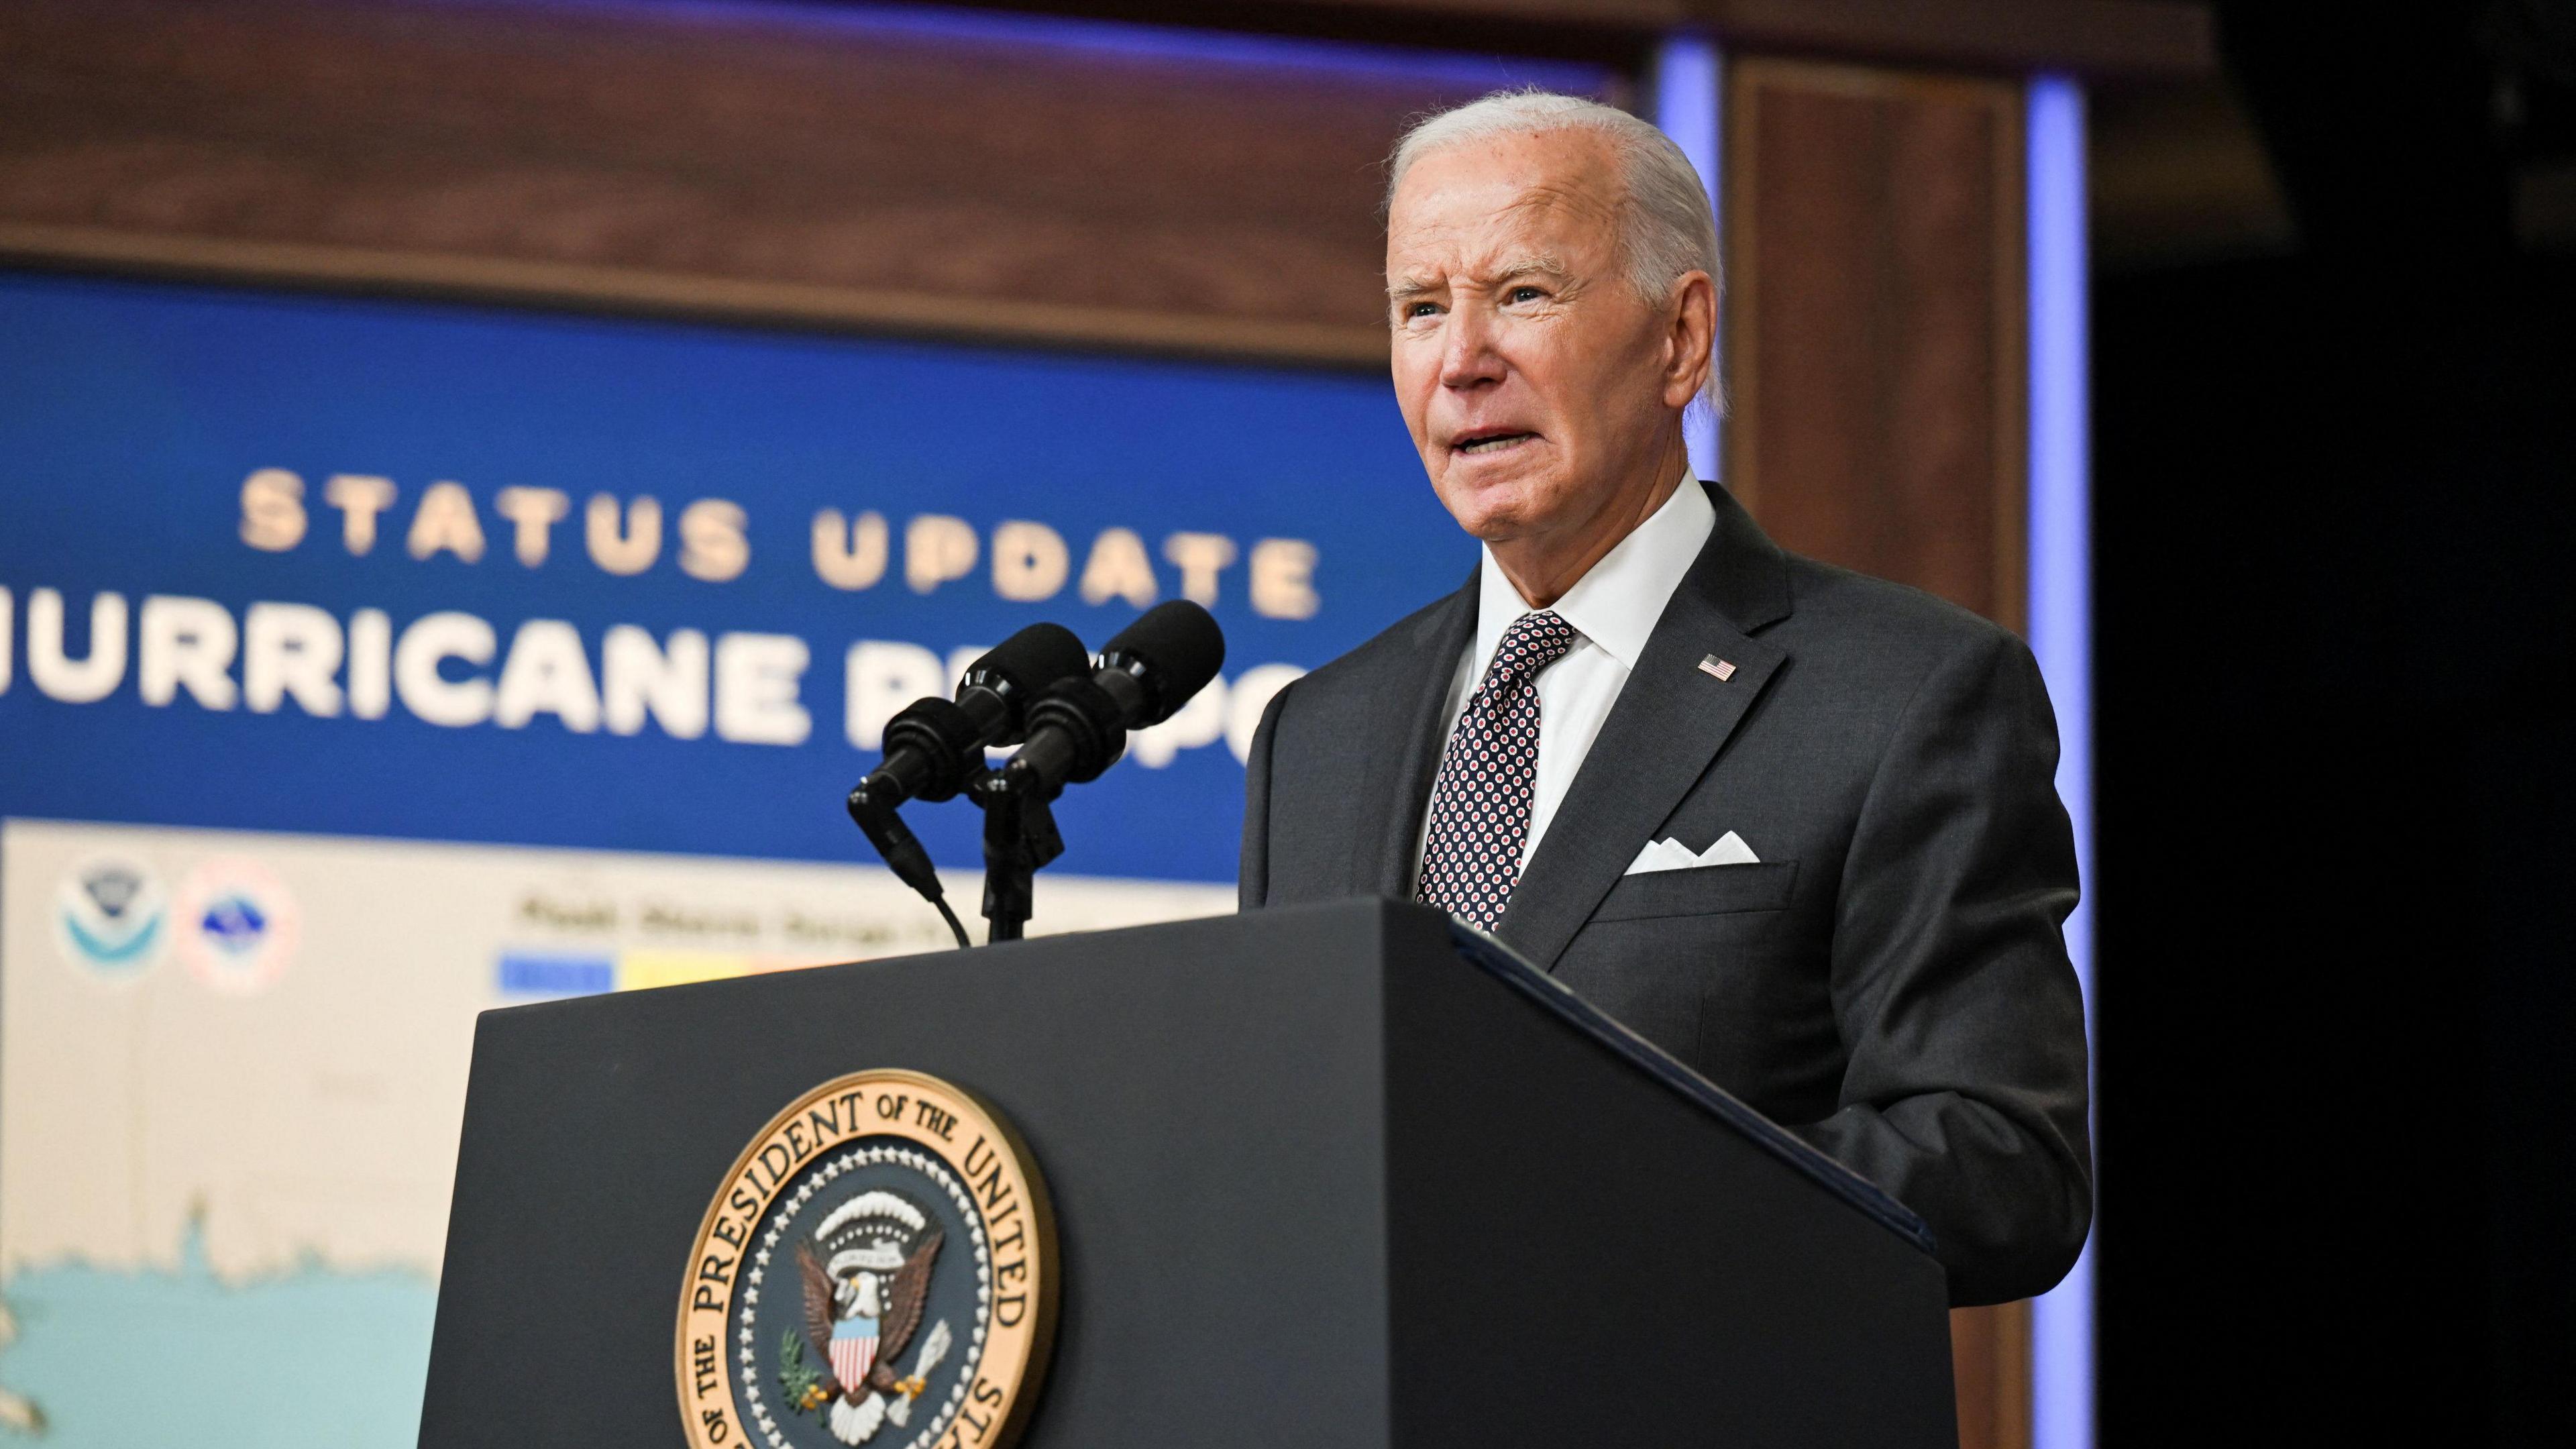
x: 1617, y: 601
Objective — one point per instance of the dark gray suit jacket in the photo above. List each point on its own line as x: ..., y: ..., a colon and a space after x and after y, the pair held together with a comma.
x: 1890, y: 981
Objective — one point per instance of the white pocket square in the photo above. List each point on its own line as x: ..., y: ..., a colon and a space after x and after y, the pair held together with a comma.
x: 1671, y: 854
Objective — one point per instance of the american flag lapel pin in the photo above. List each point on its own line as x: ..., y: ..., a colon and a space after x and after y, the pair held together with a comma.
x: 1718, y: 669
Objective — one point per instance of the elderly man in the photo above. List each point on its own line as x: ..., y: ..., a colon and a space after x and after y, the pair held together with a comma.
x: 1794, y: 825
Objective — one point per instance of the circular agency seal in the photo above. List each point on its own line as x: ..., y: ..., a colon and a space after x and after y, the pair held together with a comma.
x: 878, y: 1268
x: 108, y: 917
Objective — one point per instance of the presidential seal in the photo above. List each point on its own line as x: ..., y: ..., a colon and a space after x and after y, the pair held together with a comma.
x: 878, y: 1268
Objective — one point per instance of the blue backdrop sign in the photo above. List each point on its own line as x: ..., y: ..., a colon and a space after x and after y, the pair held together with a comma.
x: 365, y: 666
x: 451, y: 574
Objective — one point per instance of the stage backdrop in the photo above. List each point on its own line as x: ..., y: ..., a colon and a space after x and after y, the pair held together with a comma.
x: 367, y: 665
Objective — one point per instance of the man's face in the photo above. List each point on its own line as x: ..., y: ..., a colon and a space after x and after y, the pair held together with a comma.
x: 1533, y: 378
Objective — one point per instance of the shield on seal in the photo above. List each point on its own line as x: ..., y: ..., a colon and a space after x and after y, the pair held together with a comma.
x: 854, y: 1350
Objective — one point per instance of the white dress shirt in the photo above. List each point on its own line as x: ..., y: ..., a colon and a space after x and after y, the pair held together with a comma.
x: 1613, y: 607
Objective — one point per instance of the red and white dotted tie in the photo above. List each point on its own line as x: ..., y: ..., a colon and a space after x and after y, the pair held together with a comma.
x: 1480, y: 805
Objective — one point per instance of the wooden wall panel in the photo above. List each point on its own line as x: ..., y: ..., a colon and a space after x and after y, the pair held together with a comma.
x: 1875, y: 337
x: 769, y: 162
x: 1876, y: 363
x: 2090, y: 37
x: 1990, y: 1362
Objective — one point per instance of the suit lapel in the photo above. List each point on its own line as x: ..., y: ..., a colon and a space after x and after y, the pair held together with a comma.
x: 1395, y: 788
x: 1671, y: 720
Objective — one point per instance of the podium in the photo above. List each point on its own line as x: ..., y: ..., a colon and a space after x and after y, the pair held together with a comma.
x: 1341, y: 1175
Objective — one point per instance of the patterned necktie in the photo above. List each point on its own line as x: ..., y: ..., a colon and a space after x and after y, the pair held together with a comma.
x: 1480, y: 805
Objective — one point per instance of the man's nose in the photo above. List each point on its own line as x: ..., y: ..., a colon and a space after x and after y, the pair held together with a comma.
x: 1468, y: 355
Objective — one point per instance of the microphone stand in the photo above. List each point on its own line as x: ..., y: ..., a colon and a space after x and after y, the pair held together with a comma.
x: 901, y: 850
x: 1019, y: 837
x: 1076, y: 728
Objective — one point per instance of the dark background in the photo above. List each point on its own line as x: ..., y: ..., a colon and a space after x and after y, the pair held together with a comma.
x: 2333, y: 533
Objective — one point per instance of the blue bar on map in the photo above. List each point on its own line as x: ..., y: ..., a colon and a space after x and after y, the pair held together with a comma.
x: 535, y: 975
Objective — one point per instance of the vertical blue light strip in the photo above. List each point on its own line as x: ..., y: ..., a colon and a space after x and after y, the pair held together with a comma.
x: 2061, y: 634
x: 1688, y: 77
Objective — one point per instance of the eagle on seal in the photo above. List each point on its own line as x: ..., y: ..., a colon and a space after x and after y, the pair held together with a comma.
x: 862, y: 1308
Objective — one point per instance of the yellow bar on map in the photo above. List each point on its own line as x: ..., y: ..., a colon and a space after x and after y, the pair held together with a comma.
x: 644, y: 970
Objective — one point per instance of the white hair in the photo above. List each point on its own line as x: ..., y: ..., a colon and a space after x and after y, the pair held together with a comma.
x: 1667, y: 229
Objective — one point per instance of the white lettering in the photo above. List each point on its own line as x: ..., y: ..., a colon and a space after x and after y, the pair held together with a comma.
x: 359, y: 498
x: 630, y: 550
x: 1030, y: 561
x: 81, y: 682
x: 546, y: 673
x: 1118, y: 569
x: 272, y: 504
x: 713, y: 545
x: 758, y: 677
x: 880, y: 677
x: 290, y: 649
x: 849, y: 555
x: 445, y: 520
x: 1200, y: 557
x: 637, y: 675
x: 371, y: 647
x: 428, y: 694
x: 186, y: 641
x: 936, y: 549
x: 533, y: 514
x: 1283, y: 579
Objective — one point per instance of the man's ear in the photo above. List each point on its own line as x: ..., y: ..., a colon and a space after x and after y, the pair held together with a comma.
x: 1690, y: 337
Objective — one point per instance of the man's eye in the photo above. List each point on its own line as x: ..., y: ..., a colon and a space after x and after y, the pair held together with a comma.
x: 1422, y: 309
x: 1526, y: 294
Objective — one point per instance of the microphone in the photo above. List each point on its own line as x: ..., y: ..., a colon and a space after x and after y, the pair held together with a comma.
x: 1078, y: 728
x: 935, y: 744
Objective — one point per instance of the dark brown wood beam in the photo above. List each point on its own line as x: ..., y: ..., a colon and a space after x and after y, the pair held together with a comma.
x: 745, y: 163
x: 787, y: 163
x: 2095, y: 38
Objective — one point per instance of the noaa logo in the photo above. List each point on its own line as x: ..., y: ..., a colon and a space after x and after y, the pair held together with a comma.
x: 237, y: 925
x: 110, y: 915
x: 878, y: 1268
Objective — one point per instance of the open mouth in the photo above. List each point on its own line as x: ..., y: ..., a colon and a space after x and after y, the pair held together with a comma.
x: 1495, y: 441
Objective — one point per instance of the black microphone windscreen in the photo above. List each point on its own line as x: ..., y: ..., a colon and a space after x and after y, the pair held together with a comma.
x: 1181, y: 644
x: 1034, y: 658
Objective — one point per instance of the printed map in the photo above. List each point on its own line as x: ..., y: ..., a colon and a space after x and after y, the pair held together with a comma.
x: 232, y: 1071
